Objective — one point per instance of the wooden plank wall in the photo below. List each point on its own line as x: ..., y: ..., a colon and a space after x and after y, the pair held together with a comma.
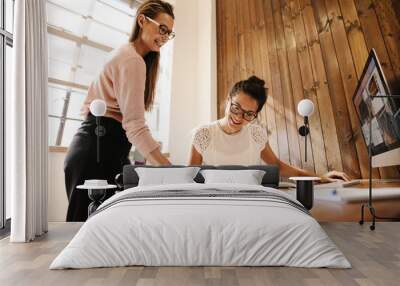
x: 312, y: 49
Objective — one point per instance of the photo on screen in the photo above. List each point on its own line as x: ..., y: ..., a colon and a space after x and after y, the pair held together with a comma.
x: 382, y: 111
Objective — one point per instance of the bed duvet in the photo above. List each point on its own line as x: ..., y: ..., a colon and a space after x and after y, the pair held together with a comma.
x: 201, y: 225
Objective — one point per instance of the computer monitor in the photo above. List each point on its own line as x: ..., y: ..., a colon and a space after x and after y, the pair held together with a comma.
x: 384, y: 112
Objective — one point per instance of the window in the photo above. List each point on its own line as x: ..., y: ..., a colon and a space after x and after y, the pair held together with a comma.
x: 81, y: 36
x: 6, y: 43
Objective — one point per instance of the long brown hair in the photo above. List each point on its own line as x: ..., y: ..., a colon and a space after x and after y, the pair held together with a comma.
x: 150, y: 9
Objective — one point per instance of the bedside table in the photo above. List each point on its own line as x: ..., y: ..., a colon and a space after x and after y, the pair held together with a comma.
x: 305, y: 190
x: 96, y: 195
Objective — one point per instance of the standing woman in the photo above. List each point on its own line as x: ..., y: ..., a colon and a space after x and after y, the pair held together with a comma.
x: 127, y: 85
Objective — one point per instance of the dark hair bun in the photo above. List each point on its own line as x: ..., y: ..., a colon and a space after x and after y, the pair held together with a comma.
x: 254, y: 87
x: 255, y: 80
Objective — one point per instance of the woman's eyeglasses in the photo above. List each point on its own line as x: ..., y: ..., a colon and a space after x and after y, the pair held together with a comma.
x: 237, y: 110
x: 162, y: 29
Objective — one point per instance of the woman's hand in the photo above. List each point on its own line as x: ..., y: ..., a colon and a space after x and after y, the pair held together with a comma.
x: 334, y: 176
x: 156, y: 158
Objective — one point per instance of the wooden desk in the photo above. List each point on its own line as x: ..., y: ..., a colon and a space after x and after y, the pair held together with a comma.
x: 343, y: 211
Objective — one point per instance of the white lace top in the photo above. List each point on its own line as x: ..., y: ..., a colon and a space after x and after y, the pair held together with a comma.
x: 220, y: 148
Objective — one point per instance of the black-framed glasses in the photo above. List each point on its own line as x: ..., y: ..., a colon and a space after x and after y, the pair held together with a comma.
x: 236, y: 109
x: 163, y: 29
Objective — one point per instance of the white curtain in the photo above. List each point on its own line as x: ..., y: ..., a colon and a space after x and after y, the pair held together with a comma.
x: 28, y: 123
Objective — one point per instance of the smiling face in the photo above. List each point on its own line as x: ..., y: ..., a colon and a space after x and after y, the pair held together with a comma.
x: 236, y: 106
x: 152, y: 29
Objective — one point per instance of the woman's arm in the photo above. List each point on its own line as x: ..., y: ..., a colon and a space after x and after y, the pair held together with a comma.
x: 129, y: 77
x: 286, y: 170
x: 200, y: 142
x: 195, y: 157
x: 156, y: 158
x: 269, y: 157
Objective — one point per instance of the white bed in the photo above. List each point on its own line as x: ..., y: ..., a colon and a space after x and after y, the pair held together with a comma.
x: 245, y: 225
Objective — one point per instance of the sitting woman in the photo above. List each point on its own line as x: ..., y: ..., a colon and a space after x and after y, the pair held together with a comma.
x: 232, y: 140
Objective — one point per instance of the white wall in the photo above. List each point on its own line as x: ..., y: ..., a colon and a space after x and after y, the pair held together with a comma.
x: 206, y: 103
x: 57, y: 196
x: 193, y: 87
x: 164, y: 98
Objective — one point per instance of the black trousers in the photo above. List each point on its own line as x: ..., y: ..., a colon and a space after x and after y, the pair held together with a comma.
x: 81, y: 161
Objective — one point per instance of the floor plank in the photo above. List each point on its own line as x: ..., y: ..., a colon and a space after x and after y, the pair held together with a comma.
x: 375, y: 257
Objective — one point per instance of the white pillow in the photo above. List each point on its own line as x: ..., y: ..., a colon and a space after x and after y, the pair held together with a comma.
x: 165, y: 176
x: 248, y: 177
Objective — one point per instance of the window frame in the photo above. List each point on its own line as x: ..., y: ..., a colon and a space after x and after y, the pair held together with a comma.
x: 6, y: 39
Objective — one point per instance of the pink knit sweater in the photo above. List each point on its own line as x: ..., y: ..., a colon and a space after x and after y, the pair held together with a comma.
x: 121, y: 85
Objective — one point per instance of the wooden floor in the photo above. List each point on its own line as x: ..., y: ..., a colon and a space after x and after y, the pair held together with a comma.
x: 375, y: 257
